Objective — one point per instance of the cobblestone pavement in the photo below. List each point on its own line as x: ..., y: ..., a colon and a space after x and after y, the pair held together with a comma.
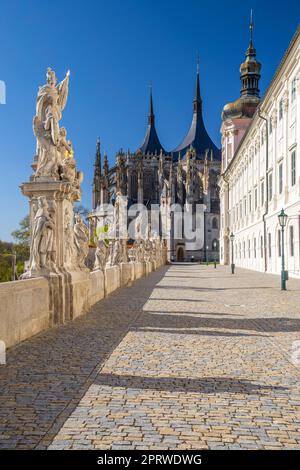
x: 189, y: 357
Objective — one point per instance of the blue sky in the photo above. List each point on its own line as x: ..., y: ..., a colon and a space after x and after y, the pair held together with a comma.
x: 114, y: 49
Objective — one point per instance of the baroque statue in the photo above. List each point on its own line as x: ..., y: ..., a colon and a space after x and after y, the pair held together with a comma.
x: 42, y: 250
x: 81, y: 239
x: 51, y: 101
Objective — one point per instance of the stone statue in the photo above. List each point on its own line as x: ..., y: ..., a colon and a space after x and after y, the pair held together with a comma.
x: 115, y: 252
x: 81, y: 239
x: 64, y: 147
x: 42, y: 240
x: 101, y: 255
x: 69, y: 239
x: 68, y: 170
x: 51, y: 101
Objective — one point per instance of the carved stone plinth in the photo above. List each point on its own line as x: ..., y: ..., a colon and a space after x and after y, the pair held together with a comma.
x: 60, y: 250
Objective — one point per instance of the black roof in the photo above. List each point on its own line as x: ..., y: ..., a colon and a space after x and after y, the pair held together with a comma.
x: 197, y: 136
x: 151, y: 143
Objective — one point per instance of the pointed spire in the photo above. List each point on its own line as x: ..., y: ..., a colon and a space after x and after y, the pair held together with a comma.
x: 151, y: 143
x: 151, y: 112
x: 251, y: 28
x: 105, y: 165
x: 97, y: 164
x: 251, y: 51
x: 197, y: 99
x: 97, y: 176
x: 250, y: 69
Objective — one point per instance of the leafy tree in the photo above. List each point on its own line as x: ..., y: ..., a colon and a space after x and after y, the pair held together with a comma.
x: 22, y: 234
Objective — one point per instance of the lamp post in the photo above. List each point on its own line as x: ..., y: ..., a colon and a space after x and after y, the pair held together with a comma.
x: 232, y: 254
x: 282, y: 217
x: 215, y: 255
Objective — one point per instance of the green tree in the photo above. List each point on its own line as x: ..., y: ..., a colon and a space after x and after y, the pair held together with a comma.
x: 22, y: 234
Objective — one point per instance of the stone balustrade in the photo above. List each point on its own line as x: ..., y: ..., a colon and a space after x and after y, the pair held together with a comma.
x: 30, y: 306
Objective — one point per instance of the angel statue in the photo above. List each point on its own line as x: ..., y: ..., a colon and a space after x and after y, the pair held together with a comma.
x: 51, y: 101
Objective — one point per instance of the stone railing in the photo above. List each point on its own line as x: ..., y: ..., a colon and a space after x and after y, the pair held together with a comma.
x: 33, y: 305
x: 58, y: 286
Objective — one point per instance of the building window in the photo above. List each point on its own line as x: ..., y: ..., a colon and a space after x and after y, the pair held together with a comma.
x: 262, y: 192
x: 279, y: 242
x: 292, y: 240
x: 261, y: 247
x: 255, y: 198
x: 249, y: 248
x: 262, y: 138
x: 250, y: 203
x: 244, y: 249
x: 245, y: 206
x: 229, y: 151
x: 270, y: 187
x: 270, y: 126
x: 215, y: 223
x: 293, y: 168
x: 270, y: 246
x: 280, y: 178
x: 293, y: 90
x: 241, y: 209
x: 280, y: 113
x: 254, y: 247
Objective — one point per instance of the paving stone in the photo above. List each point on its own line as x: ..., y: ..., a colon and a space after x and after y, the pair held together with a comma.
x: 189, y: 357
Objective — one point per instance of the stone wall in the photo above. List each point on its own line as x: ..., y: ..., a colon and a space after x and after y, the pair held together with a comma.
x: 32, y: 305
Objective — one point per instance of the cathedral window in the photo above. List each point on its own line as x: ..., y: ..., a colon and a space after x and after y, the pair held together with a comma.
x: 214, y: 223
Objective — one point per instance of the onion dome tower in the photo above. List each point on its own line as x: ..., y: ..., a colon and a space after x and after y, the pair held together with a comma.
x: 246, y: 105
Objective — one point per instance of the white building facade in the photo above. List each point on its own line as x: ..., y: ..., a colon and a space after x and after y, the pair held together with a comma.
x: 261, y: 168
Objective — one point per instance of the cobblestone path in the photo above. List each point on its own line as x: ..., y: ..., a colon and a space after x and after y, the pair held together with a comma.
x: 189, y: 357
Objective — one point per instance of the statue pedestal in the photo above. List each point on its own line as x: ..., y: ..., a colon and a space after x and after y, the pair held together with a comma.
x: 59, y: 196
x: 62, y: 269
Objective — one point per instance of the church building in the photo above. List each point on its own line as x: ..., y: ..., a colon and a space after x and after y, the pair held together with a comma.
x: 188, y: 174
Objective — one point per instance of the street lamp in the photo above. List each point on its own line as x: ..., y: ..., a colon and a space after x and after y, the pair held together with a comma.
x: 232, y: 259
x: 282, y: 217
x: 215, y: 255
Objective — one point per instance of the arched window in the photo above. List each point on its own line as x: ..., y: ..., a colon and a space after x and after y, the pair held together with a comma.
x: 214, y: 223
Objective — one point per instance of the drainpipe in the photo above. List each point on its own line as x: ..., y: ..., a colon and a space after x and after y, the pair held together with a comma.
x: 267, y: 189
